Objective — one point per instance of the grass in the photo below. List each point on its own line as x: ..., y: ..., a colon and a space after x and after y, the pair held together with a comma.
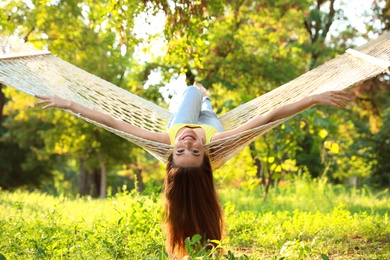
x: 303, y: 220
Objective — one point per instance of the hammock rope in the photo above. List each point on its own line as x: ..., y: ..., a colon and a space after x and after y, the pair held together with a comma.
x: 41, y: 73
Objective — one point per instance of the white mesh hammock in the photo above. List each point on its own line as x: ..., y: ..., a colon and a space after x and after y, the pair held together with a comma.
x: 41, y: 73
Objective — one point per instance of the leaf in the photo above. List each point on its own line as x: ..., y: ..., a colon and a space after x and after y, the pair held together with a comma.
x: 41, y: 251
x: 324, y: 257
x: 323, y: 133
x: 302, y: 124
x: 120, y: 220
x: 196, y: 238
x: 335, y: 148
x: 2, y: 257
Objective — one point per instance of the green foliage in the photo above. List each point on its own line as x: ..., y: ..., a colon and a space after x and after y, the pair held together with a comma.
x: 84, y: 229
x: 351, y: 224
x: 381, y: 150
x: 239, y: 49
x: 23, y: 164
x: 304, y: 194
x: 96, y: 36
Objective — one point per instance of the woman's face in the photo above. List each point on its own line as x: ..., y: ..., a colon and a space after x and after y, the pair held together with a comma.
x: 188, y: 150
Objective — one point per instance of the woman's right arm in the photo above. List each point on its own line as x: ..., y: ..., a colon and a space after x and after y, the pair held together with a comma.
x: 55, y: 101
x: 337, y: 99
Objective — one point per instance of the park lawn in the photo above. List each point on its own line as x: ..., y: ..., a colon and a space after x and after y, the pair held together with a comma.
x: 304, y: 220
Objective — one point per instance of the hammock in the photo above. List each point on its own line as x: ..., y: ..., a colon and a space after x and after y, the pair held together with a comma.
x: 41, y: 73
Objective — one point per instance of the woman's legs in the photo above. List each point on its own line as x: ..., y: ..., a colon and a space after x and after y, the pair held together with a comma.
x: 189, y: 108
x: 207, y: 115
x: 195, y: 108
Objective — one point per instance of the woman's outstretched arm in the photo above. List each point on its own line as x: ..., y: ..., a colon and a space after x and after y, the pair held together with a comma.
x: 337, y: 99
x: 55, y: 101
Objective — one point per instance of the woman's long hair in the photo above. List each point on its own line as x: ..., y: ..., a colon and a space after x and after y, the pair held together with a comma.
x: 191, y: 206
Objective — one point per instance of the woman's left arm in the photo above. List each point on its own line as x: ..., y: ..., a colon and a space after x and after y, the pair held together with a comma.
x: 337, y: 99
x: 52, y: 101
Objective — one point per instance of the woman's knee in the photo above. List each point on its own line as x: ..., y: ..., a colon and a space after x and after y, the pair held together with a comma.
x: 193, y: 91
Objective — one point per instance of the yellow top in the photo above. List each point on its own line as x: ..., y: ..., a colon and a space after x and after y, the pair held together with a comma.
x: 172, y: 131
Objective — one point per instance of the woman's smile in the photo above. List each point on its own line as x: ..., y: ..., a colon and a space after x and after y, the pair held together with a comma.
x: 188, y: 137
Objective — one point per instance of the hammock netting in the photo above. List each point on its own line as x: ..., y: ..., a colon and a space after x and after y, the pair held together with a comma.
x: 41, y: 73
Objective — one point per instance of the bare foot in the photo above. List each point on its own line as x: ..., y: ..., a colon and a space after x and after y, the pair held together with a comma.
x: 202, y: 89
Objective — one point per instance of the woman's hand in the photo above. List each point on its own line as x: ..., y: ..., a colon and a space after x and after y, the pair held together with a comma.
x: 53, y: 101
x: 337, y: 99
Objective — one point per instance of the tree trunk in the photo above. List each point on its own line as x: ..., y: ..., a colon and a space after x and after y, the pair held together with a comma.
x: 89, y: 182
x: 95, y: 183
x: 270, y: 181
x: 139, y: 181
x: 2, y: 103
x: 319, y: 30
x: 84, y: 182
x: 257, y: 163
x: 103, y: 177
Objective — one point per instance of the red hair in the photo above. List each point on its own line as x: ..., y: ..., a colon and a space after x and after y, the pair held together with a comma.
x: 191, y: 206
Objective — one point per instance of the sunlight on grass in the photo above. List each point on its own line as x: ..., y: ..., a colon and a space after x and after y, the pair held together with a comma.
x: 304, y: 220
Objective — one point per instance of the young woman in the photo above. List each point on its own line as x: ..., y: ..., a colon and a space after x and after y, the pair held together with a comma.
x: 192, y: 205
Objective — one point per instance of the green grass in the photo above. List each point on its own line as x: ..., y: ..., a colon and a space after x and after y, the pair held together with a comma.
x: 304, y: 220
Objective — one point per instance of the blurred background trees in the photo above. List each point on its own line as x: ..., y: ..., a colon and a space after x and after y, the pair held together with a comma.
x: 238, y: 49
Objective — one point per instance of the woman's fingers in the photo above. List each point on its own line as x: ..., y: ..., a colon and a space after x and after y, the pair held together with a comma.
x: 343, y: 93
x: 43, y: 98
x: 40, y: 96
x: 335, y: 98
x: 340, y: 99
x: 48, y: 100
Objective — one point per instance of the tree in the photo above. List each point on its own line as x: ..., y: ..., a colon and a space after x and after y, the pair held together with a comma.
x: 239, y: 49
x: 21, y: 163
x: 254, y: 48
x: 97, y: 37
x: 373, y: 139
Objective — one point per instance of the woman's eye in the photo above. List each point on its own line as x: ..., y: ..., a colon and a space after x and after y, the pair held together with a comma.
x: 180, y: 150
x: 195, y: 151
